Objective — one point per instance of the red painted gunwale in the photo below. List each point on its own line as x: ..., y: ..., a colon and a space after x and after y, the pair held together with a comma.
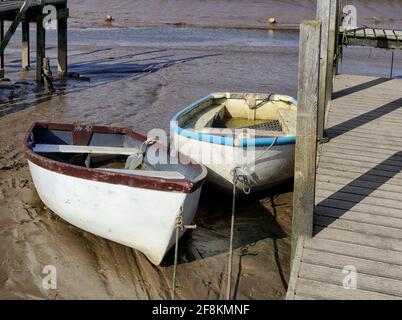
x: 182, y: 185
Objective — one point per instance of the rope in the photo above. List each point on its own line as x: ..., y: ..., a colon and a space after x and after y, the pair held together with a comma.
x: 147, y: 143
x: 229, y: 283
x: 267, y: 99
x: 246, y: 186
x: 244, y: 178
x: 179, y: 226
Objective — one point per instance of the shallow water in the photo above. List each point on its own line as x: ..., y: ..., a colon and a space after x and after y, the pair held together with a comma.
x: 222, y: 13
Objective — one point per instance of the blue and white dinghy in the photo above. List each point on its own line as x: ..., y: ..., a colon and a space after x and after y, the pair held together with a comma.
x: 249, y: 136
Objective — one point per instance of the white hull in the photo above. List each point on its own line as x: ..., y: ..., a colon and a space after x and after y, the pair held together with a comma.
x: 143, y: 219
x: 271, y: 168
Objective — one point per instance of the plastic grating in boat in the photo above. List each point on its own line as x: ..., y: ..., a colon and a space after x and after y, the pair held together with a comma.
x: 272, y: 125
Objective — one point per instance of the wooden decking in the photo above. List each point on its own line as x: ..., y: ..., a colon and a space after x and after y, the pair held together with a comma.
x: 373, y: 37
x: 358, y: 213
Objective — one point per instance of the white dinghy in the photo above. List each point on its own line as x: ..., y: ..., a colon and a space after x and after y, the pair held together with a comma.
x: 101, y: 180
x: 248, y: 135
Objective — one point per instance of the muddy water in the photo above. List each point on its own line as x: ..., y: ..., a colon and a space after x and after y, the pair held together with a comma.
x: 222, y: 13
x: 140, y: 78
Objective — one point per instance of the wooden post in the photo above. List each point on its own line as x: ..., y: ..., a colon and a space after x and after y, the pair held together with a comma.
x: 306, y: 142
x: 2, y: 52
x: 62, y: 43
x: 26, y: 63
x: 47, y: 76
x: 339, y: 44
x: 40, y: 43
x: 326, y: 12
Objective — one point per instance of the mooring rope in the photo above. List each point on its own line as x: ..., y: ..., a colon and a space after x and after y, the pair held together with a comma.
x: 229, y: 283
x: 246, y: 186
x: 179, y: 226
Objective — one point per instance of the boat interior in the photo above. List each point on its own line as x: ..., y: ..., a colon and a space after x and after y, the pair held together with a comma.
x: 115, y: 152
x: 268, y: 115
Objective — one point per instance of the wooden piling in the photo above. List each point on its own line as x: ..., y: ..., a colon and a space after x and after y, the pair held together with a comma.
x: 339, y: 44
x: 32, y: 12
x: 47, y: 76
x: 40, y: 43
x: 26, y: 63
x: 327, y: 14
x: 306, y: 142
x: 1, y: 52
x: 62, y: 41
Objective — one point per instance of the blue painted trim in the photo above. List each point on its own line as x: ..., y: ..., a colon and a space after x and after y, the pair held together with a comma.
x: 228, y: 141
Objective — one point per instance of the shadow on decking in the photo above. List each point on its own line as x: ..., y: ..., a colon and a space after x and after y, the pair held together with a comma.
x: 367, y: 183
x: 362, y: 119
x: 359, y: 87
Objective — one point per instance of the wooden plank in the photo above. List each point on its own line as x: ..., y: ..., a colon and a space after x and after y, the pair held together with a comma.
x: 26, y: 64
x: 368, y: 198
x: 386, y: 219
x: 326, y: 13
x: 62, y: 46
x: 341, y: 181
x: 361, y: 207
x: 364, y: 282
x: 40, y: 44
x: 358, y: 191
x: 368, y: 154
x: 357, y: 251
x: 362, y: 170
x: 358, y: 175
x: 393, y: 161
x: 306, y: 142
x: 1, y: 53
x: 382, y: 118
x: 369, y: 267
x: 361, y: 227
x: 50, y: 148
x: 359, y: 239
x: 294, y: 275
x: 386, y: 165
x: 322, y: 290
x: 365, y: 146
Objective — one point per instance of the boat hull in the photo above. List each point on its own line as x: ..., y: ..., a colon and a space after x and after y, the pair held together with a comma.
x: 143, y: 219
x: 266, y: 166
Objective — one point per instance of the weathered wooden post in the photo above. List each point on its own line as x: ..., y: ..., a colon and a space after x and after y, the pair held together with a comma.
x: 327, y: 13
x: 339, y: 44
x: 62, y: 16
x: 1, y: 52
x: 306, y: 142
x: 40, y: 42
x: 26, y: 63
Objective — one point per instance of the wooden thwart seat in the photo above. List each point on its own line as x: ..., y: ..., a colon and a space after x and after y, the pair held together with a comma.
x: 54, y: 148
